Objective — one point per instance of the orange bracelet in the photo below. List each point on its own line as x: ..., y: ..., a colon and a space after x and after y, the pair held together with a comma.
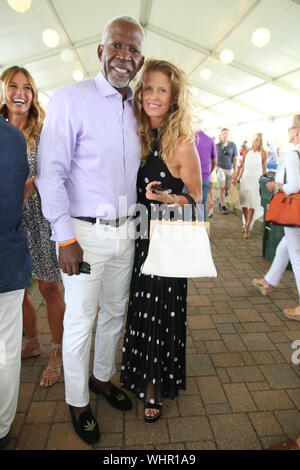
x: 69, y: 242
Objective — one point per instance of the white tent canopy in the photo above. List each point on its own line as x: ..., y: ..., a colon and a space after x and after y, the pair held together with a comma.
x: 258, y: 91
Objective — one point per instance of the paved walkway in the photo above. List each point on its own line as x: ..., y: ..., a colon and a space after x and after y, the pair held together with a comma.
x: 243, y: 392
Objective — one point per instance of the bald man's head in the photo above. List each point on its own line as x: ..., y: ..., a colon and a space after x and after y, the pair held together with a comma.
x: 121, y: 52
x: 124, y: 19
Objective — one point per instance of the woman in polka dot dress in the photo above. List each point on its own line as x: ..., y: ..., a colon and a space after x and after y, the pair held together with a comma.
x: 153, y: 362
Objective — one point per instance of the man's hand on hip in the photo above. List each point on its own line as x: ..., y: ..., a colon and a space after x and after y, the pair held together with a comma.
x: 69, y: 258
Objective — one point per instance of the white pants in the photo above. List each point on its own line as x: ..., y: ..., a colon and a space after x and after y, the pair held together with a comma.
x: 111, y: 260
x: 10, y: 356
x: 287, y: 250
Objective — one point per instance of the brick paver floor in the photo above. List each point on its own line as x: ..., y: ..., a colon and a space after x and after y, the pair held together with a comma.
x: 243, y: 392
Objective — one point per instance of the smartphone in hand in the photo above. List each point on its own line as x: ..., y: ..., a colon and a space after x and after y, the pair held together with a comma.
x: 84, y: 268
x: 156, y: 187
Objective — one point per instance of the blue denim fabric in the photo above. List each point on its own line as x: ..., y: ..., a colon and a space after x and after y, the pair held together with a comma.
x: 205, y: 191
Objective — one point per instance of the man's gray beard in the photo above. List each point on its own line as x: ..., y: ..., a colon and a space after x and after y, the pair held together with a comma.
x: 118, y: 84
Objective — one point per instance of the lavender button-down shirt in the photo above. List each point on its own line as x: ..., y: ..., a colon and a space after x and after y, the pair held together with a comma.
x: 89, y: 155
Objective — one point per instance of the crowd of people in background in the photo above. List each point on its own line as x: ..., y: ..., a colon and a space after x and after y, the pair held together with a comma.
x: 223, y: 166
x: 153, y: 154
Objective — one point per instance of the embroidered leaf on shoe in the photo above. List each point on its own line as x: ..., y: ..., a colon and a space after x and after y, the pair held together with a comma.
x: 89, y: 427
x: 120, y: 397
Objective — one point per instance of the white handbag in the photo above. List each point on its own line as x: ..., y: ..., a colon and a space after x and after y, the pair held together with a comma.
x: 221, y: 178
x: 179, y: 249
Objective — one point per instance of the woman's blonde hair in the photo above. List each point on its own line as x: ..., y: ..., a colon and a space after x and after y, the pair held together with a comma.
x: 177, y: 123
x: 260, y: 135
x: 36, y: 113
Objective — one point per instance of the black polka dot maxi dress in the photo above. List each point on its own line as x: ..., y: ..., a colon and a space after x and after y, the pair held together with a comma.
x: 153, y: 359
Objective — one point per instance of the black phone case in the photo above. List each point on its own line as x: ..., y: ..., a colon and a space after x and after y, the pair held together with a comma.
x: 84, y: 268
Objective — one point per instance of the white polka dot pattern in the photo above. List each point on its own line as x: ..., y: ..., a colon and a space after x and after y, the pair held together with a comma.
x: 153, y: 361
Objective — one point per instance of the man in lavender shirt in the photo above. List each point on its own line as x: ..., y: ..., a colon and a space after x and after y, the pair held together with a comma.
x: 89, y: 156
x: 207, y: 151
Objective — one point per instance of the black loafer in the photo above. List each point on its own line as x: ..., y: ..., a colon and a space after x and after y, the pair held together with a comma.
x: 117, y: 399
x: 86, y: 427
x: 4, y: 440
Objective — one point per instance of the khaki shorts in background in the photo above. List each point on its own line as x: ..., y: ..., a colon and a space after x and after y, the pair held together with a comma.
x: 228, y: 178
x: 213, y: 177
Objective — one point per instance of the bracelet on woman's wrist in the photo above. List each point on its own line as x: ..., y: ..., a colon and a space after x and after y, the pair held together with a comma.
x: 174, y: 199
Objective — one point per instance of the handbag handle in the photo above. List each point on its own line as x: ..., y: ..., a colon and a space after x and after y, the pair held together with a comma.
x: 193, y: 204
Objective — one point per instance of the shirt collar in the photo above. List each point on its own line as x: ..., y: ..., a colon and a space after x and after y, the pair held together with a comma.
x: 106, y: 89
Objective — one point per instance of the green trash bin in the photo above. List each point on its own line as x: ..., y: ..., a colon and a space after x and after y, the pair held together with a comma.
x: 272, y: 234
x: 265, y: 196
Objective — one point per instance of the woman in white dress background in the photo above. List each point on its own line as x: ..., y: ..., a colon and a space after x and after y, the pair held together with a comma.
x: 253, y: 165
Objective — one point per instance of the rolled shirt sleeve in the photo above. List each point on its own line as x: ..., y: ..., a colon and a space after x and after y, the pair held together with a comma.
x: 56, y: 149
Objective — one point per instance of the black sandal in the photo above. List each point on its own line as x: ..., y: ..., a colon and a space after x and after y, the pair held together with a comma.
x: 154, y: 406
